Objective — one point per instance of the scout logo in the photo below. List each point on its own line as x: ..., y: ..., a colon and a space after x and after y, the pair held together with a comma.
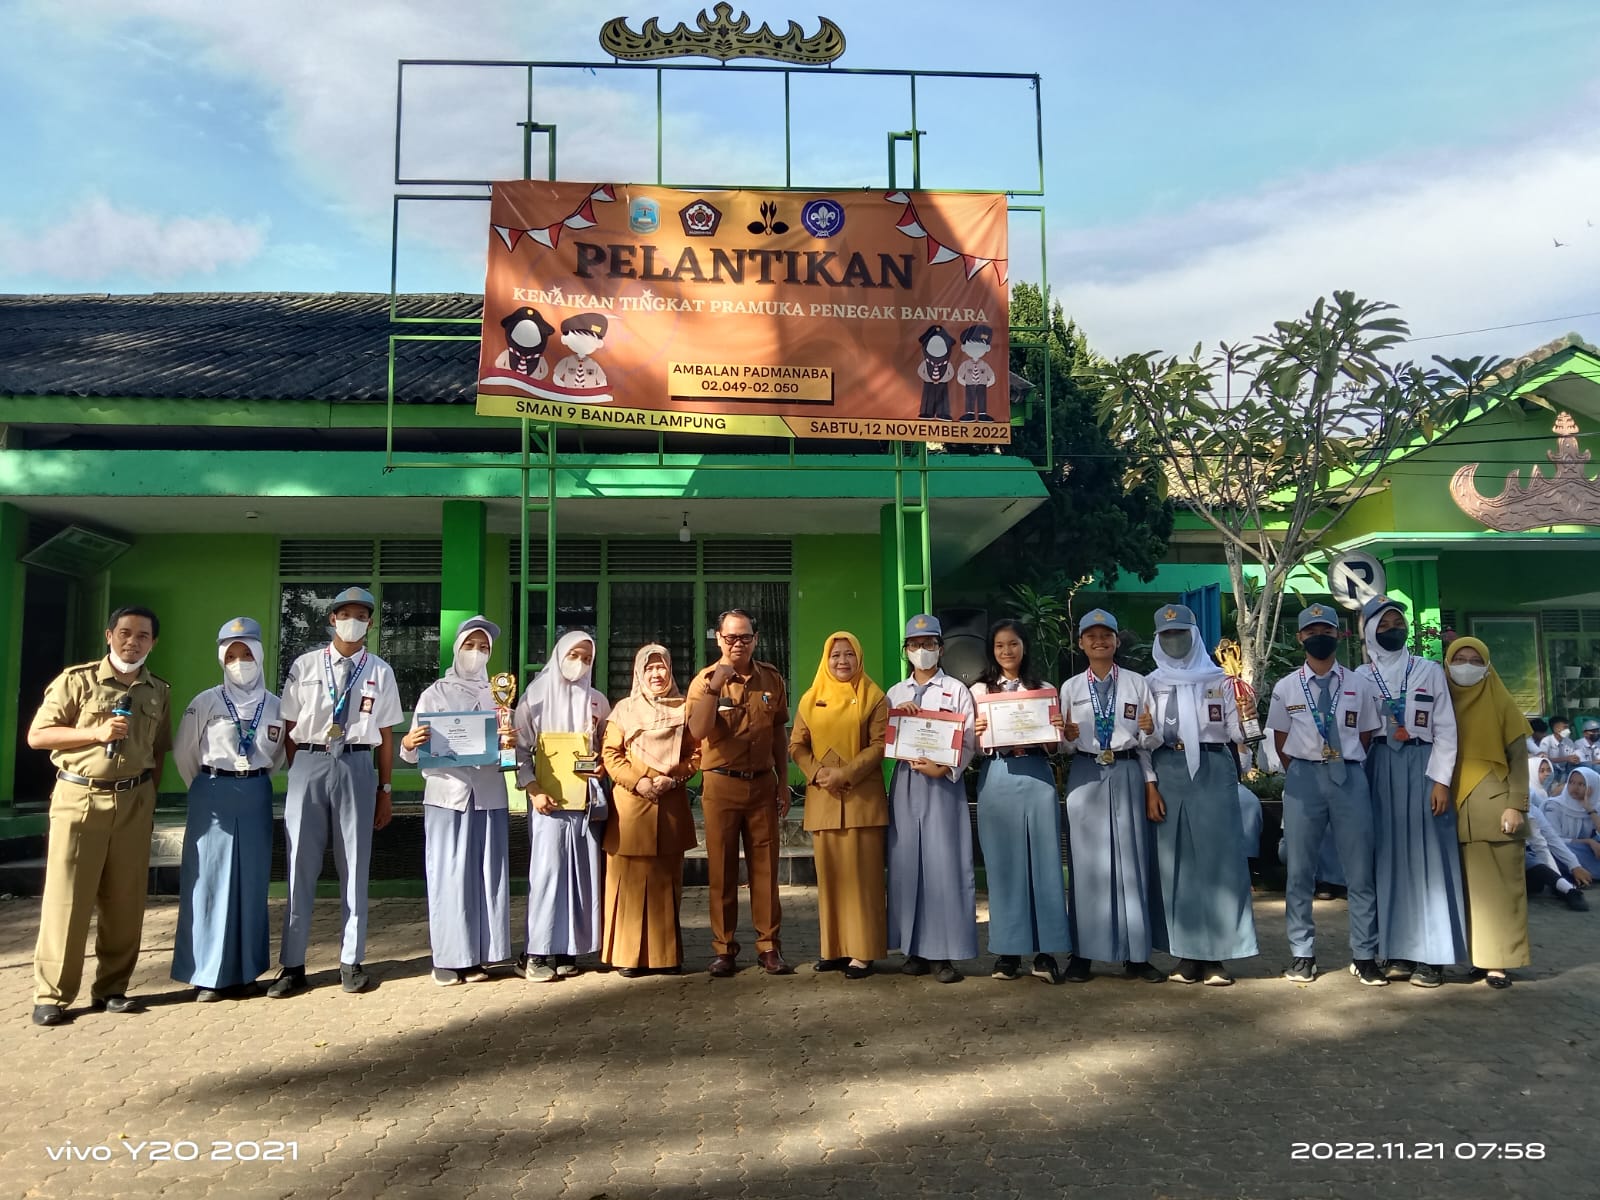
x: 700, y: 219
x: 769, y: 223
x: 273, y: 731
x: 1171, y: 614
x: 644, y: 215
x: 822, y: 218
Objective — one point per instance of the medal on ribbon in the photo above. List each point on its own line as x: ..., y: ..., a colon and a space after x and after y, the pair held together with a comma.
x: 1324, y: 723
x: 1397, y: 707
x: 247, y: 737
x: 1105, y: 717
x: 341, y: 703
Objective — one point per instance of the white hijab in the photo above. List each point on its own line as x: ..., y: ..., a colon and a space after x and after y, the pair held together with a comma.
x: 1391, y: 664
x: 243, y: 696
x: 1188, y: 676
x: 555, y: 704
x: 463, y: 693
x: 1564, y: 803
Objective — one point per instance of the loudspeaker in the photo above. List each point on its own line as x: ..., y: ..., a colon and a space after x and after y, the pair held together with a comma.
x: 965, y: 653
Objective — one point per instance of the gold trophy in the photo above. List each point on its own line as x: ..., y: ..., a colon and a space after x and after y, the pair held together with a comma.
x: 503, y: 684
x: 587, y: 764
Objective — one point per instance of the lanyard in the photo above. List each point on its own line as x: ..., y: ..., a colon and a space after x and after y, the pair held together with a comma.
x: 247, y: 737
x: 1324, y: 724
x: 1397, y: 708
x: 340, y: 703
x: 1105, y: 719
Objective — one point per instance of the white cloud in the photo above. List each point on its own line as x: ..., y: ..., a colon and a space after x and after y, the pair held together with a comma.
x: 1458, y: 244
x: 98, y: 241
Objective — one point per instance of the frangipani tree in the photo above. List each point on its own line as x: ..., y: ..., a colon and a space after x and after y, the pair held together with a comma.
x: 1269, y: 442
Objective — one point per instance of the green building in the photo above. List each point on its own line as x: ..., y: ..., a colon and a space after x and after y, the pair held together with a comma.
x: 212, y: 455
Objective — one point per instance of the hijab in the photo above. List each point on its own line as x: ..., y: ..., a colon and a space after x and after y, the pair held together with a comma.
x: 463, y: 693
x: 652, y: 726
x: 1487, y: 722
x: 1567, y: 804
x: 836, y: 711
x: 1188, y: 675
x: 1536, y: 790
x: 243, y: 696
x: 1391, y: 664
x: 559, y: 705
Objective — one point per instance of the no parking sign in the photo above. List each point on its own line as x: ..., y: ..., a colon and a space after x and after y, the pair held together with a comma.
x: 1355, y: 577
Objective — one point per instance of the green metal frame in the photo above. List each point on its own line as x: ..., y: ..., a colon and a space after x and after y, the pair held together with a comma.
x: 911, y: 467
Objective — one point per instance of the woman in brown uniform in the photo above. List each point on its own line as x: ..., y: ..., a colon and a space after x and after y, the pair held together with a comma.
x: 648, y: 755
x: 837, y: 741
x: 1491, y: 794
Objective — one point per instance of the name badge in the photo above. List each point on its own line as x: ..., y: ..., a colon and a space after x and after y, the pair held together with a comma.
x: 1350, y: 720
x: 1130, y: 712
x: 1294, y: 708
x: 1214, y: 713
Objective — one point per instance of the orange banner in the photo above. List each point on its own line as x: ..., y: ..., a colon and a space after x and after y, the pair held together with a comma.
x: 860, y: 315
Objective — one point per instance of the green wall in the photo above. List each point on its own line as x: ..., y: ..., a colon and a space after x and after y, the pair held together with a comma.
x: 838, y: 584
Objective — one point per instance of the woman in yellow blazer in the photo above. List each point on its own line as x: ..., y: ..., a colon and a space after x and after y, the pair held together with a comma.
x: 649, y: 755
x: 837, y: 742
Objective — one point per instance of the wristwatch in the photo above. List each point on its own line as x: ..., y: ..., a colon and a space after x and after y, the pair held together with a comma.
x: 386, y: 787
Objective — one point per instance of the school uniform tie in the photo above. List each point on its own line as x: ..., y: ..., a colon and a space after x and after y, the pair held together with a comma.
x: 1325, y: 707
x: 341, y: 678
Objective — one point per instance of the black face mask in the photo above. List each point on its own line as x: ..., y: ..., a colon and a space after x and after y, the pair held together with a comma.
x: 1591, y: 737
x: 1321, y: 645
x: 1392, y: 639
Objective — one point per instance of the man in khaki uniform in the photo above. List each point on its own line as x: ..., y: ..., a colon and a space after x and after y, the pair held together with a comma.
x: 738, y: 710
x: 107, y: 725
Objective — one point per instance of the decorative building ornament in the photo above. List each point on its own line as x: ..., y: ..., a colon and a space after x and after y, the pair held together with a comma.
x: 1568, y: 498
x: 722, y: 37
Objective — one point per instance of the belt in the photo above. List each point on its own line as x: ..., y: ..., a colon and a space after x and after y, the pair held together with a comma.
x: 737, y: 774
x: 1021, y: 752
x: 104, y: 785
x: 1384, y: 741
x: 1214, y: 746
x: 236, y: 774
x: 1114, y: 753
x: 330, y: 750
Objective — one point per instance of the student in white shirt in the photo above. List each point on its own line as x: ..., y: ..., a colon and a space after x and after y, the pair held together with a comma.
x: 1322, y: 720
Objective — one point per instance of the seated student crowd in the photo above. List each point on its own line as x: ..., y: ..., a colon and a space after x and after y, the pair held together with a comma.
x: 1418, y: 770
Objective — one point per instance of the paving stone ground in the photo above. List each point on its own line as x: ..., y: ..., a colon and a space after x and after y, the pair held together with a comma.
x: 805, y: 1086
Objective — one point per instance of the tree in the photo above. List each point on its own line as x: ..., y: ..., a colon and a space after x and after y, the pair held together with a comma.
x: 1307, y: 416
x: 1103, y: 514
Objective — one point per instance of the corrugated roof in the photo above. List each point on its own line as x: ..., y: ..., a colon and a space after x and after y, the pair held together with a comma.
x: 243, y: 346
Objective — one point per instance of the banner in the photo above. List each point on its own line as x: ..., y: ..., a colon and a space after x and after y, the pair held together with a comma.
x: 859, y: 315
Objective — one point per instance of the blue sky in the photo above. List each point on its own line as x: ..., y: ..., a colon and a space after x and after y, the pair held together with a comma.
x: 1209, y: 167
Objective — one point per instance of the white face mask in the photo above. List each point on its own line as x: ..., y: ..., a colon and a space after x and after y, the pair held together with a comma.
x: 573, y: 669
x: 1467, y: 674
x: 471, y: 663
x: 127, y: 668
x: 242, y: 672
x: 351, y: 629
x: 923, y: 660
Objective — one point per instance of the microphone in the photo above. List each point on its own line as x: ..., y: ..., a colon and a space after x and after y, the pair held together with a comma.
x: 121, y: 710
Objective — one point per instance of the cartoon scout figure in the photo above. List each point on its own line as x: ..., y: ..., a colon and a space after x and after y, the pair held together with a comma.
x: 975, y: 375
x: 583, y: 335
x: 934, y: 371
x: 527, y: 335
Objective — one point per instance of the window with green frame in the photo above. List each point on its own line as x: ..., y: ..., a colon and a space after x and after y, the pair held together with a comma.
x: 629, y: 592
x: 403, y: 576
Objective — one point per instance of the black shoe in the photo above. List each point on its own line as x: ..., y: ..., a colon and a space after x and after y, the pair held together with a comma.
x: 1046, y: 968
x: 1366, y: 970
x: 914, y: 965
x: 289, y: 981
x: 631, y: 972
x: 206, y: 995
x: 1575, y: 901
x: 948, y: 973
x: 1398, y: 970
x: 969, y: 416
x: 1187, y: 971
x: 1142, y: 971
x: 116, y: 1004
x: 1078, y: 970
x: 1480, y: 975
x: 1007, y: 966
x: 49, y: 1014
x: 1301, y: 970
x: 1427, y: 976
x: 830, y: 964
x: 851, y: 971
x: 1214, y: 974
x: 353, y: 978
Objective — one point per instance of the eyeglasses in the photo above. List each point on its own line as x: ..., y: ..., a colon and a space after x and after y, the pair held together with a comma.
x: 738, y: 639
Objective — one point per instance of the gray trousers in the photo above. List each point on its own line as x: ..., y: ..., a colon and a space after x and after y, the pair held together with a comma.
x: 1312, y: 801
x: 331, y: 798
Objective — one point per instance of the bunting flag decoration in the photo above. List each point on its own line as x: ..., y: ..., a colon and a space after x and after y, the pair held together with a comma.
x: 911, y: 225
x: 549, y: 236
